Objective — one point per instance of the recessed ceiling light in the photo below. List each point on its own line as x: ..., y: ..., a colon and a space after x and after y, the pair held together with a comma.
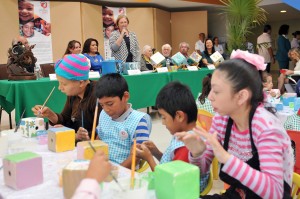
x: 283, y: 11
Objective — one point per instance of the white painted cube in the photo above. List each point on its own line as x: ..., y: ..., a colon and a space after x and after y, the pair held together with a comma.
x: 31, y: 125
x: 216, y: 57
x: 157, y: 58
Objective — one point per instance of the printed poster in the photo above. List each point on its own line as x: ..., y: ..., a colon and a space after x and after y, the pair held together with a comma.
x: 35, y: 25
x: 109, y: 16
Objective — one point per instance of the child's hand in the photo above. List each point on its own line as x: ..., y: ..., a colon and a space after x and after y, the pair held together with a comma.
x: 143, y: 152
x: 99, y: 167
x: 273, y: 93
x: 192, y: 141
x: 82, y: 134
x: 289, y: 72
x: 152, y: 147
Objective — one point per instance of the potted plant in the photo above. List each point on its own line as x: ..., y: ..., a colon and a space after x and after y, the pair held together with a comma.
x: 242, y: 16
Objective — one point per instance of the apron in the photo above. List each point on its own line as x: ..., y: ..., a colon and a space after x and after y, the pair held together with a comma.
x: 235, y: 185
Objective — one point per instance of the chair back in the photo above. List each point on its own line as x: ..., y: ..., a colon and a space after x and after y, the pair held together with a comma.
x: 296, y: 186
x: 47, y: 69
x: 204, y: 119
x: 295, y: 136
x: 3, y: 71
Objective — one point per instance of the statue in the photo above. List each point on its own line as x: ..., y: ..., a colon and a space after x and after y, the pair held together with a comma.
x: 21, y: 62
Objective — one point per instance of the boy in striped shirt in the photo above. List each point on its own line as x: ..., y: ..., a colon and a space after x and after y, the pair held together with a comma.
x: 118, y: 123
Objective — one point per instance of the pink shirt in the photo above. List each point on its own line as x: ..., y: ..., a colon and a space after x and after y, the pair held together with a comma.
x: 274, y: 149
x: 87, y: 189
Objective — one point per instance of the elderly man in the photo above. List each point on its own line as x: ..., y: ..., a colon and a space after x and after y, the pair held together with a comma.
x: 184, y: 49
x: 21, y: 39
x: 166, y: 50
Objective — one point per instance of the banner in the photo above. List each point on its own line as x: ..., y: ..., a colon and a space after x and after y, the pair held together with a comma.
x: 35, y: 25
x: 109, y: 17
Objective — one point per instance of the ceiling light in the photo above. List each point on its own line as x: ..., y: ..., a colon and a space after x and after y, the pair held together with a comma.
x: 283, y: 11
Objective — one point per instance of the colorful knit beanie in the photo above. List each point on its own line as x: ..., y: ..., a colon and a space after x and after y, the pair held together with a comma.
x: 73, y: 67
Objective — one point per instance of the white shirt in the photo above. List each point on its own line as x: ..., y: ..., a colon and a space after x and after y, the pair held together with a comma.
x: 294, y: 43
x: 263, y: 43
x: 199, y: 45
x: 219, y: 48
x: 297, y: 68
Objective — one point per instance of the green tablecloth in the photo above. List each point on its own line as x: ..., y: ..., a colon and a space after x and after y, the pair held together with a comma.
x: 20, y: 95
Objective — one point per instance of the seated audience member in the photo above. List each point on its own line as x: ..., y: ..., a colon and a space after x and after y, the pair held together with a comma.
x: 217, y: 46
x: 90, y: 50
x: 202, y: 101
x: 74, y: 47
x: 176, y: 104
x: 145, y: 58
x: 250, y: 143
x: 166, y: 50
x: 119, y: 124
x: 199, y: 45
x: 209, y: 50
x: 268, y: 86
x: 293, y: 122
x: 81, y: 98
x: 98, y: 170
x: 184, y: 49
x: 294, y: 54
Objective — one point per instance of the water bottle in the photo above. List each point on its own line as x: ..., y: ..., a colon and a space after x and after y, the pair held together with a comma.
x: 168, y: 65
x: 37, y: 71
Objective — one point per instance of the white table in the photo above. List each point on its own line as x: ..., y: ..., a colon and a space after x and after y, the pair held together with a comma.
x: 52, y: 167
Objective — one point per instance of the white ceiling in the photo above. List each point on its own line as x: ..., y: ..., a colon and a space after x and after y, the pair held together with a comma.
x: 273, y: 7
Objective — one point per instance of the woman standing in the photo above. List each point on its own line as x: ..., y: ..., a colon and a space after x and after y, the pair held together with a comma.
x: 124, y: 43
x: 283, y: 47
x: 90, y: 50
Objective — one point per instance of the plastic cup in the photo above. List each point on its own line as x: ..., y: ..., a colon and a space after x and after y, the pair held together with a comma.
x: 139, y: 191
x: 3, y: 146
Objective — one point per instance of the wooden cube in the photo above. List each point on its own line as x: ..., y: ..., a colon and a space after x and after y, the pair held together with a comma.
x: 23, y: 170
x: 72, y: 174
x: 85, y: 152
x: 61, y: 139
x: 177, y: 180
x: 31, y: 125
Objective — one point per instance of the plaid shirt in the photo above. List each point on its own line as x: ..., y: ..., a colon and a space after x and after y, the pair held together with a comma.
x: 292, y: 123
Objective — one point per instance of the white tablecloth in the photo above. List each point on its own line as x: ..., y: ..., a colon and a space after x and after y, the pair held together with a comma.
x: 52, y: 166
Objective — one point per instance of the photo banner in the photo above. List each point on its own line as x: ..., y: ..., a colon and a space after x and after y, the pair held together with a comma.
x: 35, y: 25
x: 109, y: 17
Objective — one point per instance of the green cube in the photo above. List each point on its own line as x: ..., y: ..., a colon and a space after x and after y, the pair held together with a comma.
x: 177, y: 180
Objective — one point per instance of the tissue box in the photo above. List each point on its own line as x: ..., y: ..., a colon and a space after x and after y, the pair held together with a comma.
x: 179, y: 59
x: 72, y: 174
x: 177, y: 180
x: 22, y: 170
x: 61, y: 139
x: 157, y: 58
x: 217, y: 57
x: 31, y: 125
x: 287, y: 98
x: 85, y: 152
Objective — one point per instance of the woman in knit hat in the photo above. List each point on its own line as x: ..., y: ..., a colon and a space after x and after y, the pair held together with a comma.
x: 72, y: 73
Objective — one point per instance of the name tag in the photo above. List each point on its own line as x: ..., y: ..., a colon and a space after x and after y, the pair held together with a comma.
x: 192, y: 68
x: 52, y: 76
x: 162, y: 70
x: 94, y: 74
x: 134, y: 72
x: 211, y: 67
